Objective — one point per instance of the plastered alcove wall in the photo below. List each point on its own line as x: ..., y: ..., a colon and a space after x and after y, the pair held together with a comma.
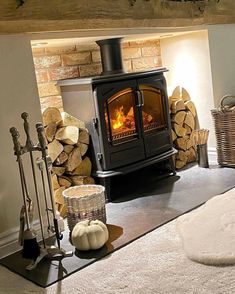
x: 18, y: 94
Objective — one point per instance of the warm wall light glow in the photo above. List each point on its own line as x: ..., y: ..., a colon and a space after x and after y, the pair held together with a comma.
x: 188, y: 59
x: 185, y: 71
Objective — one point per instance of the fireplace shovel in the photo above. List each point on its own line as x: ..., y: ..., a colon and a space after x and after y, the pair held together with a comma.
x: 31, y: 249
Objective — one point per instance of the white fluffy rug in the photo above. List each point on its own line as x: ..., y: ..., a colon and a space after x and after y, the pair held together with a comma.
x: 153, y: 264
x: 208, y: 233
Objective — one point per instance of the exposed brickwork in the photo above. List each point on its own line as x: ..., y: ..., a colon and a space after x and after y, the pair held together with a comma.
x: 81, y: 60
x: 60, y: 50
x: 90, y: 70
x: 61, y: 73
x: 96, y: 57
x: 47, y: 61
x: 128, y: 53
x: 145, y: 62
x: 48, y: 89
x: 42, y: 76
x: 55, y: 101
x: 77, y: 58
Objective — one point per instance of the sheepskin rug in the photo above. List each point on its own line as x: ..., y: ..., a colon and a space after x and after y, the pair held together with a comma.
x: 208, y: 233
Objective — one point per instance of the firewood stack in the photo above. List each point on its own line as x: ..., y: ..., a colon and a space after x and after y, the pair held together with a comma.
x: 183, y: 121
x: 68, y: 142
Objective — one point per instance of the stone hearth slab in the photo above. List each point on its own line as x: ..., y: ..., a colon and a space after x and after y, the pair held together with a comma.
x: 144, y: 201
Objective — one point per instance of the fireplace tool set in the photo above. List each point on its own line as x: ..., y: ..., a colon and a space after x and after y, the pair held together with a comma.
x: 27, y: 236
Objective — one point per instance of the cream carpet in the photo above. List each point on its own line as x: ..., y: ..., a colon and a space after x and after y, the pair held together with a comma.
x: 155, y: 263
x: 208, y: 233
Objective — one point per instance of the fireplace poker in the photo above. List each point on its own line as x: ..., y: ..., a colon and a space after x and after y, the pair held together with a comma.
x: 39, y: 162
x: 30, y: 147
x: 42, y: 143
x: 31, y: 249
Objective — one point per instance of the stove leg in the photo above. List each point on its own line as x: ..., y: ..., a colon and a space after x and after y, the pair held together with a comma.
x: 106, y: 182
x: 172, y: 165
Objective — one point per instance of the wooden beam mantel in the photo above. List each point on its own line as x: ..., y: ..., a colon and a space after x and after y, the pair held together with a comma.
x: 61, y: 15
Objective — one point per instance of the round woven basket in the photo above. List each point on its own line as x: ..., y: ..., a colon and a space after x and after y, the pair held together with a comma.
x: 84, y: 202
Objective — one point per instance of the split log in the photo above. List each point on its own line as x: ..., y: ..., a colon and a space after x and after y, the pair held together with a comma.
x: 62, y: 210
x: 181, y: 93
x: 74, y: 159
x: 188, y: 129
x: 51, y: 115
x: 191, y: 107
x: 83, y: 169
x: 58, y: 195
x: 173, y: 135
x: 179, y: 117
x: 83, y: 148
x: 182, y: 156
x: 177, y: 105
x: 189, y: 120
x: 179, y: 130
x: 81, y: 180
x: 64, y: 181
x: 191, y: 155
x: 84, y: 136
x: 62, y: 158
x: 67, y: 135
x: 190, y: 143
x: 50, y: 131
x: 68, y: 148
x: 55, y: 182
x: 54, y: 149
x: 69, y: 120
x: 179, y: 164
x: 181, y: 143
x: 58, y: 170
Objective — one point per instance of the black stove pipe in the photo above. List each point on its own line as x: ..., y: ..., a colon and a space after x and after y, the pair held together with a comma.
x: 111, y: 56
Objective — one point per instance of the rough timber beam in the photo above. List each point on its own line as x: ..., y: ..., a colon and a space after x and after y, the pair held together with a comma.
x: 60, y: 15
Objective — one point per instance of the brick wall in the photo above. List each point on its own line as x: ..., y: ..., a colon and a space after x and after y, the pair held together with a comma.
x: 56, y: 63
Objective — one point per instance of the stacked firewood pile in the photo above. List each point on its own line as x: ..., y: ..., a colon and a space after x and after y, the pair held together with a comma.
x: 68, y: 142
x: 183, y: 121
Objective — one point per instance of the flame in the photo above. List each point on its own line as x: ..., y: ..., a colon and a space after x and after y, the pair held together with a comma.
x: 120, y: 118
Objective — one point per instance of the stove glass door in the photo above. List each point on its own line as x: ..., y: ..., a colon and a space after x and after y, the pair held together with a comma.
x: 120, y: 116
x: 153, y: 113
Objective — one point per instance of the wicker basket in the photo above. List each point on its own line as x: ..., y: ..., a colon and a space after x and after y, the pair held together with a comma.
x: 224, y: 122
x: 84, y: 202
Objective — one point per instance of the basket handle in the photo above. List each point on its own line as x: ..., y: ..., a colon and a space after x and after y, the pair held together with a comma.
x: 223, y: 105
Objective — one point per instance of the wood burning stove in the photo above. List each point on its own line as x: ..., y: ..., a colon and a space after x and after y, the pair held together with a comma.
x: 127, y: 116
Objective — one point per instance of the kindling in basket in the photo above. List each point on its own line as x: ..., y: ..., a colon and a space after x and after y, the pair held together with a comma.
x: 224, y: 122
x: 85, y: 202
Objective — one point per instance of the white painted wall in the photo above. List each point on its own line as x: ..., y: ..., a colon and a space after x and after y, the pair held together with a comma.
x: 222, y: 55
x: 18, y: 93
x: 188, y: 59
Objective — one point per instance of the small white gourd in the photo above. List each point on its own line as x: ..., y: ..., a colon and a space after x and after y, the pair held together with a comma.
x: 89, y: 235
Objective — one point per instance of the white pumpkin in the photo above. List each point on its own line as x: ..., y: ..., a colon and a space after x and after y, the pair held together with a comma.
x: 89, y: 235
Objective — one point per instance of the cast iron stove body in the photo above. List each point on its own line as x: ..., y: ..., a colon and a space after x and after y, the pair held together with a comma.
x: 127, y: 116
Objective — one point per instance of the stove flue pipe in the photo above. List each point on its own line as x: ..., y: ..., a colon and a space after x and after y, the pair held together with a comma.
x: 111, y: 56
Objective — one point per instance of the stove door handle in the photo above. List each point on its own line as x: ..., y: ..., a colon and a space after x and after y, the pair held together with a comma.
x: 140, y: 98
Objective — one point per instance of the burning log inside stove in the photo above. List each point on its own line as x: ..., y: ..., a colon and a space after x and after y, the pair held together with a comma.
x: 68, y: 142
x: 124, y: 124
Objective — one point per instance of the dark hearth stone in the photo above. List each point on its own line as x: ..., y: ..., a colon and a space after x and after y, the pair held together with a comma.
x: 141, y: 205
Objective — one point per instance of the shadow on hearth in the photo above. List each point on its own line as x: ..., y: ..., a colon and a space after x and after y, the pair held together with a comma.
x: 144, y: 182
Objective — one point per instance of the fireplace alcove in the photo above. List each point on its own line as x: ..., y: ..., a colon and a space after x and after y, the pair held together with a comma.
x: 128, y: 119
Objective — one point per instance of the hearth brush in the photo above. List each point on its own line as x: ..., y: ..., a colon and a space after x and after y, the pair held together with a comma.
x: 31, y: 249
